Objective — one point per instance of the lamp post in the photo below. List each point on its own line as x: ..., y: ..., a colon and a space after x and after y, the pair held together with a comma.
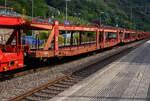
x: 100, y: 23
x: 5, y: 5
x: 32, y: 9
x: 117, y: 18
x: 66, y: 17
x: 67, y: 9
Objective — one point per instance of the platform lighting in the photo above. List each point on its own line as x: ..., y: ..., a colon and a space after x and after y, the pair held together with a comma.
x: 5, y: 5
x: 101, y: 18
x: 117, y: 18
x: 32, y: 12
x: 67, y: 9
x: 66, y: 16
x: 32, y: 8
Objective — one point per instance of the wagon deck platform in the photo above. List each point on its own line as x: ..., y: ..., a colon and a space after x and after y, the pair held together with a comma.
x: 126, y: 79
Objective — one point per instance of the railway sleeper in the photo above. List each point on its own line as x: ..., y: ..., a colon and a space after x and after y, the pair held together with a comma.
x: 47, y: 91
x: 70, y: 81
x: 66, y: 83
x: 34, y: 98
x: 45, y: 95
x: 77, y: 77
x: 55, y: 88
x: 61, y: 86
x: 82, y: 76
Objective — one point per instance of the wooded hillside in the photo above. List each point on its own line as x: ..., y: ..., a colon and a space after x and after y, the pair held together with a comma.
x: 131, y: 14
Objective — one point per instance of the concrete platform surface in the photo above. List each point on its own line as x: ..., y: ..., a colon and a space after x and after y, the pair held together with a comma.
x: 126, y: 79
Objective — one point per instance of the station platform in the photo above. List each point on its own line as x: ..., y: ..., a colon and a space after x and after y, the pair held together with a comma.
x: 126, y: 79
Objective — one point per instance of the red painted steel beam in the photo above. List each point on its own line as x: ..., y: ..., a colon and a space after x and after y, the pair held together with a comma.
x: 40, y: 26
x: 97, y: 39
x: 17, y: 38
x: 56, y: 32
x: 45, y: 26
x: 50, y: 39
x: 103, y: 37
x: 77, y: 28
x: 10, y: 22
x: 118, y: 37
x: 111, y: 30
x: 126, y: 31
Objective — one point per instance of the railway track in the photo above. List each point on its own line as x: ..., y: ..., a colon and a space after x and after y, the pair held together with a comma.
x: 25, y: 71
x: 57, y: 86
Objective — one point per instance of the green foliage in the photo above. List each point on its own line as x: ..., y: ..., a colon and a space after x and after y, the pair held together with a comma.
x: 61, y: 39
x: 85, y: 12
x: 43, y: 35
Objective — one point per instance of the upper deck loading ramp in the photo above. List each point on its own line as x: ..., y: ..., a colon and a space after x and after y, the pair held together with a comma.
x: 18, y: 22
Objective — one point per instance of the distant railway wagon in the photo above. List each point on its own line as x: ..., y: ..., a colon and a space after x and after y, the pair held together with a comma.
x: 12, y: 55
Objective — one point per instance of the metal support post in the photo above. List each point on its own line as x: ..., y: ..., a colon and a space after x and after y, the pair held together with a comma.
x: 71, y: 39
x: 19, y: 37
x: 97, y: 39
x: 103, y: 37
x: 56, y: 31
x: 80, y: 38
x: 118, y: 36
x: 50, y: 39
x: 17, y: 41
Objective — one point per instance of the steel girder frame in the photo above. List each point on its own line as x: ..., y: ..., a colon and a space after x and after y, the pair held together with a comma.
x: 54, y: 35
x: 19, y: 23
x: 131, y: 38
x: 79, y: 49
x: 72, y: 50
x: 111, y: 42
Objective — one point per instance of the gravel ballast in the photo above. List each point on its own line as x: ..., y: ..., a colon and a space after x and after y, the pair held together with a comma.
x: 12, y: 88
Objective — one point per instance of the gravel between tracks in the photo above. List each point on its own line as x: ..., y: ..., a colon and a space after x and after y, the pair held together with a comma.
x: 16, y: 86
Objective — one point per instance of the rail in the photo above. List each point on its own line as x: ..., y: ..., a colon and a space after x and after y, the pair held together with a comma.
x: 72, y: 78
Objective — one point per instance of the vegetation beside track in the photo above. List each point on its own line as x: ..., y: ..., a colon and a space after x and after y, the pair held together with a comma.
x: 131, y: 14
